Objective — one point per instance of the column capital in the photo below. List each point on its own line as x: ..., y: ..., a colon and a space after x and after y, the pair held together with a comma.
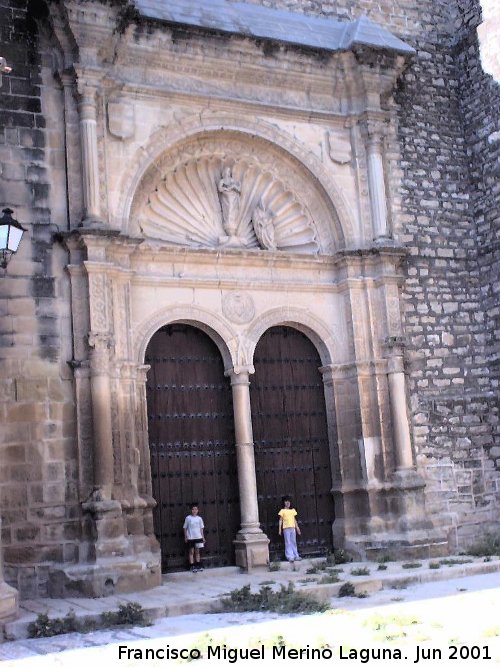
x: 239, y: 374
x: 394, y: 352
x: 100, y: 344
x: 142, y: 372
x: 373, y: 128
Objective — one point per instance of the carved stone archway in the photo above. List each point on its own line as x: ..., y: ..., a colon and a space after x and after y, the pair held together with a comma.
x: 180, y: 139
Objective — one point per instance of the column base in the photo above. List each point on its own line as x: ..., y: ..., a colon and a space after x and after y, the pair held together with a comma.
x: 116, y: 556
x: 251, y: 551
x: 104, y: 527
x: 9, y: 603
x: 106, y: 577
x: 388, y: 519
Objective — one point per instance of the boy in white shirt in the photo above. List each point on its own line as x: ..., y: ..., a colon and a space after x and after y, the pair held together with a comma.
x: 194, y: 537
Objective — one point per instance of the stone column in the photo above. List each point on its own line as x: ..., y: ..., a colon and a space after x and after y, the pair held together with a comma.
x: 251, y: 543
x: 374, y: 131
x: 9, y: 607
x: 90, y: 161
x: 399, y: 412
x: 101, y: 415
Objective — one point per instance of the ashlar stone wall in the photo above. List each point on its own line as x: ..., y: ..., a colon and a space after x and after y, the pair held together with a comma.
x: 38, y: 472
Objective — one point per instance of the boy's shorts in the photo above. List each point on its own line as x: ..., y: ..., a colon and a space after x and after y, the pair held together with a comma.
x: 195, y: 544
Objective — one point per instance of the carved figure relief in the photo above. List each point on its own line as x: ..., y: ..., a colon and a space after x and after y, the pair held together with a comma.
x: 229, y: 194
x: 263, y: 226
x: 208, y: 202
x: 238, y: 307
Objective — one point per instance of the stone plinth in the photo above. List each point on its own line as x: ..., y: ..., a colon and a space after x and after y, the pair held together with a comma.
x: 251, y: 551
x: 9, y: 607
x: 106, y: 577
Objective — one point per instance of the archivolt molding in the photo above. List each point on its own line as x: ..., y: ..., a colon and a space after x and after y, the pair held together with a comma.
x: 219, y: 331
x: 263, y: 142
x: 310, y: 325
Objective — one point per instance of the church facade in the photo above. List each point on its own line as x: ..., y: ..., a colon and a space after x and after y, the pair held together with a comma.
x: 260, y: 261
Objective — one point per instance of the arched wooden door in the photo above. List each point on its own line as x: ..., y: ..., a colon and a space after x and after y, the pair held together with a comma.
x: 191, y: 439
x: 291, y: 438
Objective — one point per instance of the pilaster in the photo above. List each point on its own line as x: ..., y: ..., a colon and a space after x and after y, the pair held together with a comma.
x: 88, y: 91
x: 373, y: 129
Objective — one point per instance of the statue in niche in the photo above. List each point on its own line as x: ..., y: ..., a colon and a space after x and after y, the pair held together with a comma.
x: 229, y: 194
x: 263, y: 224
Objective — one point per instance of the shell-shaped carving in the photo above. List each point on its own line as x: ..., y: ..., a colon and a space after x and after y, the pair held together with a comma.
x: 186, y: 208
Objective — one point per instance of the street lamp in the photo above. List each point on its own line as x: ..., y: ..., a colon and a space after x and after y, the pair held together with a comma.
x: 10, y: 236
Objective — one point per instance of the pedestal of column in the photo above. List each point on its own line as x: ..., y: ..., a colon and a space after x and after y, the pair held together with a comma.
x: 9, y: 605
x: 251, y: 544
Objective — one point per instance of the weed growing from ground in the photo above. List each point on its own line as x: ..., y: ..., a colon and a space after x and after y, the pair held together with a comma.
x: 360, y: 571
x: 330, y: 578
x: 433, y: 565
x: 126, y: 614
x: 490, y: 546
x: 384, y: 559
x: 275, y: 566
x: 130, y: 613
x: 44, y: 626
x: 284, y: 601
x: 340, y: 557
x: 410, y: 566
x: 382, y: 567
x: 317, y: 567
x: 455, y: 561
x: 346, y: 590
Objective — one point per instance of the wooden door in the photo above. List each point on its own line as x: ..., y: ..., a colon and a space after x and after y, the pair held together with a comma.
x: 291, y: 438
x: 191, y: 439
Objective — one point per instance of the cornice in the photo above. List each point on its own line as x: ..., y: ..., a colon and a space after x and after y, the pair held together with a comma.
x: 235, y: 68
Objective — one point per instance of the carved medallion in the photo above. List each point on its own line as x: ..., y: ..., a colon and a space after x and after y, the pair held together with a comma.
x: 238, y: 307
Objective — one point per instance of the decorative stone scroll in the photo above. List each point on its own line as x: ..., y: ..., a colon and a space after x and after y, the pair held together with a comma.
x: 212, y: 202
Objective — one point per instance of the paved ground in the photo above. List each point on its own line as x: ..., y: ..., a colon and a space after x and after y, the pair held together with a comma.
x: 414, y: 610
